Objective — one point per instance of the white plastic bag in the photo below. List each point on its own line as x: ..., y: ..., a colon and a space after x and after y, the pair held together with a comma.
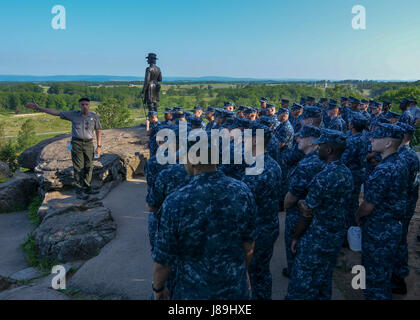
x: 354, y: 238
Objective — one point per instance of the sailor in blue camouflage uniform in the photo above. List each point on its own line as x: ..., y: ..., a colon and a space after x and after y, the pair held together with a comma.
x: 198, y: 111
x: 406, y: 117
x: 401, y: 268
x: 381, y: 212
x: 168, y: 117
x: 232, y: 170
x: 300, y: 178
x: 152, y: 127
x: 321, y: 229
x: 290, y: 158
x: 376, y: 114
x: 296, y: 111
x: 348, y: 111
x: 209, y: 114
x: 331, y: 120
x: 273, y: 147
x: 153, y: 167
x: 284, y: 131
x: 266, y: 187
x: 209, y: 233
x: 354, y: 157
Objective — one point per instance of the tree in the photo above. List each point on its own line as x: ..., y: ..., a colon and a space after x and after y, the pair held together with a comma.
x: 113, y: 114
x: 26, y: 135
x: 8, y: 154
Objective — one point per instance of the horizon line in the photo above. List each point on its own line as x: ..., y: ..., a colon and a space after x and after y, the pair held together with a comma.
x: 245, y: 78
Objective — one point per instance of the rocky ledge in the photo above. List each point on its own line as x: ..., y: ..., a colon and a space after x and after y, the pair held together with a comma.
x: 71, y: 229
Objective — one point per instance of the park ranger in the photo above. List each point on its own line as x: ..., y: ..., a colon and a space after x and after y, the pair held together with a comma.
x: 84, y: 123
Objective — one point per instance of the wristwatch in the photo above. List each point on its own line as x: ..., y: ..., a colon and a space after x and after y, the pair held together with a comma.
x: 157, y: 290
x: 99, y: 146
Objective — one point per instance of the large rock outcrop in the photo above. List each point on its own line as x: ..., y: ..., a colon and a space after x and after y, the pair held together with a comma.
x: 17, y: 193
x: 73, y: 229
x: 124, y: 154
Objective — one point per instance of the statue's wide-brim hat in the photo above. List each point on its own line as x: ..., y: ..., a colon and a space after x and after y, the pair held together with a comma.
x: 151, y: 56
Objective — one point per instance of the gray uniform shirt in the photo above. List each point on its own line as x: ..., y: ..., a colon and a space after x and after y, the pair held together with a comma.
x: 82, y: 126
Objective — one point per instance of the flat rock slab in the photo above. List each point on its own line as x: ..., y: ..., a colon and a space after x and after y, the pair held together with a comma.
x: 74, y: 234
x: 26, y: 274
x: 124, y: 266
x: 14, y: 228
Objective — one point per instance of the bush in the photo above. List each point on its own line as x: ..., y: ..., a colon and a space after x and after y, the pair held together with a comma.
x: 8, y: 154
x: 26, y: 135
x: 113, y: 114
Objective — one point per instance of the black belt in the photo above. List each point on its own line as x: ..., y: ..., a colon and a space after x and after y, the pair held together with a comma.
x: 83, y: 140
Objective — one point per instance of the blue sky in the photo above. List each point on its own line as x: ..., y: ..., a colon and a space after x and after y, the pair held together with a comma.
x: 236, y: 38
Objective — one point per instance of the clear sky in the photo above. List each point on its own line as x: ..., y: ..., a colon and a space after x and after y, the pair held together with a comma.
x: 234, y: 38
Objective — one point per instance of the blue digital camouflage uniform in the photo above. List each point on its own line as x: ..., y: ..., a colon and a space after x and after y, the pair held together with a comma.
x: 407, y: 118
x: 295, y: 122
x: 354, y: 157
x: 335, y: 124
x: 210, y: 125
x: 203, y: 227
x: 153, y: 146
x: 406, y: 153
x: 152, y: 169
x: 273, y: 149
x: 266, y: 188
x: 300, y: 178
x: 284, y: 134
x: 166, y: 182
x: 386, y: 188
x: 318, y: 248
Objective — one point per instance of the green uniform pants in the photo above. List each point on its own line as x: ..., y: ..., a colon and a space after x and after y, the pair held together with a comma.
x: 82, y: 156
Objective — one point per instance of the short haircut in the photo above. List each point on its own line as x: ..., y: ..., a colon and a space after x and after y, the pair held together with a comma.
x: 84, y: 99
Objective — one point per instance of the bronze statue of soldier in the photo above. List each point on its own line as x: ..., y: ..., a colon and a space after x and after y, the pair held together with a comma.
x: 151, y: 86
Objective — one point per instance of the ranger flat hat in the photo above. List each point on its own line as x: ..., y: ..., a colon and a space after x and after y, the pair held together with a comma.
x: 152, y: 56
